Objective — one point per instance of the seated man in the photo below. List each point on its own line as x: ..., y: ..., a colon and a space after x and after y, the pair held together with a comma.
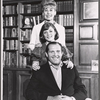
x: 54, y: 81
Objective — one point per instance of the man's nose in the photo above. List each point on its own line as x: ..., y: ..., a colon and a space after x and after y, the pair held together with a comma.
x: 55, y: 53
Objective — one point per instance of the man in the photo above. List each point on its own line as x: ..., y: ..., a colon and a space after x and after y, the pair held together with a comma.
x: 54, y: 81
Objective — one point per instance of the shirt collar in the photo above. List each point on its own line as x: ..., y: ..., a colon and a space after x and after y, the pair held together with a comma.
x: 60, y: 65
x: 45, y: 21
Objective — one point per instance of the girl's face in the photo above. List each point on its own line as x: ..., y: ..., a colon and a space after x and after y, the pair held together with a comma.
x: 49, y: 13
x: 49, y: 34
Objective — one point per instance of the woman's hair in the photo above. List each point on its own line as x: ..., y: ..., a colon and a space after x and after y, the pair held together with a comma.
x: 46, y: 27
x: 45, y: 3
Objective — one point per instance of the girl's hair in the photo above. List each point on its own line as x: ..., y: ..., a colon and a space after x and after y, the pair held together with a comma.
x: 46, y: 27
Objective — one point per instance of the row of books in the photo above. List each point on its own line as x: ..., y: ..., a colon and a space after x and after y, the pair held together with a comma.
x: 23, y: 49
x: 10, y: 21
x: 70, y: 31
x: 10, y: 44
x: 10, y: 32
x: 65, y: 5
x: 70, y: 46
x: 25, y: 61
x: 69, y: 37
x: 30, y: 8
x: 31, y: 20
x: 36, y: 8
x: 65, y: 20
x: 10, y: 59
x: 9, y: 9
x: 25, y: 35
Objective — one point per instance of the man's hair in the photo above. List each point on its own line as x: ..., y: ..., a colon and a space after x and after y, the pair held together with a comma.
x: 45, y: 3
x: 46, y: 27
x: 53, y: 43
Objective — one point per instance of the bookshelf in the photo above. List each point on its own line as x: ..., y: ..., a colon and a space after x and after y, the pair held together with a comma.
x: 30, y: 15
x: 10, y: 35
x: 19, y: 17
x: 18, y: 20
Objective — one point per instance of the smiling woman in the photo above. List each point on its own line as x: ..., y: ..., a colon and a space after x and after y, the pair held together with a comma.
x: 48, y: 33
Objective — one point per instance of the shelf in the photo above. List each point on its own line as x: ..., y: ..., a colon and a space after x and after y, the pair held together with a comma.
x: 15, y: 26
x: 31, y: 14
x: 69, y: 27
x: 10, y: 50
x: 25, y: 41
x: 23, y: 28
x: 10, y: 38
x: 14, y: 22
x: 18, y: 68
x: 69, y: 41
x: 25, y: 54
x: 65, y: 12
x: 30, y: 1
x: 8, y: 15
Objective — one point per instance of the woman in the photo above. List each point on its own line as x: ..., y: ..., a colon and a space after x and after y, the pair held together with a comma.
x: 48, y: 33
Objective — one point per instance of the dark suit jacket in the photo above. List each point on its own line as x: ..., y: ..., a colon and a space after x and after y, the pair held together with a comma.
x: 43, y: 84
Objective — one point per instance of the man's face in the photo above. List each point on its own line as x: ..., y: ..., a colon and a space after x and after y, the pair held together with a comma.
x: 49, y: 13
x: 54, y: 54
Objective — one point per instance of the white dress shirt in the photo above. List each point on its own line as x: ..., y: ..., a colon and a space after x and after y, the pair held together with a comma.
x: 57, y: 74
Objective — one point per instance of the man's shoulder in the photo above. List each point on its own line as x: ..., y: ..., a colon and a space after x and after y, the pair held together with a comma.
x: 43, y: 68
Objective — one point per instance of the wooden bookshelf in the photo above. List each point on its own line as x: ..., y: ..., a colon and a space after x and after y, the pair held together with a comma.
x: 16, y: 59
x: 17, y: 32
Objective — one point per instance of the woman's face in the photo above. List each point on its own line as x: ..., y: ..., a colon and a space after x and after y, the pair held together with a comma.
x: 49, y: 13
x: 49, y: 34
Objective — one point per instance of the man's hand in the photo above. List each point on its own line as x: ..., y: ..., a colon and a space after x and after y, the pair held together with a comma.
x: 59, y: 97
x: 64, y: 97
x: 35, y: 65
x: 54, y: 98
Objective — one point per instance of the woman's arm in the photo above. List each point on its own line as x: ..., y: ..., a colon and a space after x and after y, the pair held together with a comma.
x: 66, y: 58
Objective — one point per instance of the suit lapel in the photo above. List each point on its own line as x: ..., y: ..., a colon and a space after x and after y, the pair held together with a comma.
x: 50, y: 78
x: 66, y: 77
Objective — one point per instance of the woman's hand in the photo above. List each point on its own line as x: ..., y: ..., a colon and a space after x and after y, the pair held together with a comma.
x: 38, y: 45
x: 69, y: 64
x: 35, y: 65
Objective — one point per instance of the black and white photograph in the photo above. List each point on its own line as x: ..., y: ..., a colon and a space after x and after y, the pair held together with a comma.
x: 49, y: 50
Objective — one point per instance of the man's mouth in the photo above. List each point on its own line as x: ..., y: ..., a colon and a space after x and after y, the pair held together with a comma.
x: 55, y: 58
